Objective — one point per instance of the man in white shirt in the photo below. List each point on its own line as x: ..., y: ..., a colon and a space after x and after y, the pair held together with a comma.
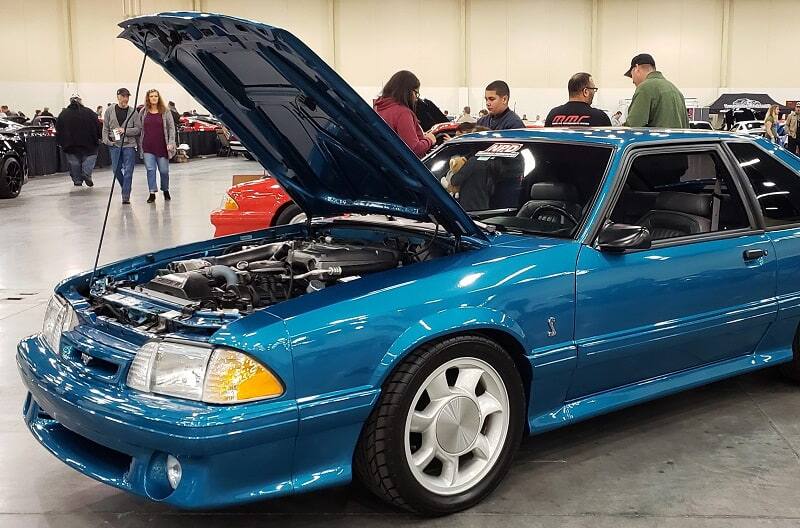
x: 466, y: 116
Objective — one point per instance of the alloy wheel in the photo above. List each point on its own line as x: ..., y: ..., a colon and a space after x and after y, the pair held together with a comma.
x: 457, y: 426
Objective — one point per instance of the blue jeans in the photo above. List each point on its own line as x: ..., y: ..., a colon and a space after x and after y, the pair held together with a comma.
x: 151, y: 161
x: 122, y: 162
x: 80, y: 167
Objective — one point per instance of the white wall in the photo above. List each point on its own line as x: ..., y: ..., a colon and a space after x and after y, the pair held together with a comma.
x: 455, y: 46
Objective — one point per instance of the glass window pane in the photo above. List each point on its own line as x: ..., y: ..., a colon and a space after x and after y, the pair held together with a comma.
x: 672, y: 194
x: 776, y: 186
x: 535, y: 187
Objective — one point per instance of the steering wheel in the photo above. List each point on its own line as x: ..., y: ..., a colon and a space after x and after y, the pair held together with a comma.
x: 557, y: 209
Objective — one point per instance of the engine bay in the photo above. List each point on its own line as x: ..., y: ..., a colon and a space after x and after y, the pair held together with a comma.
x: 248, y: 276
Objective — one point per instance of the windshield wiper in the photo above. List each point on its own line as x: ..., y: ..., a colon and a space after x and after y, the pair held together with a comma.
x: 488, y: 213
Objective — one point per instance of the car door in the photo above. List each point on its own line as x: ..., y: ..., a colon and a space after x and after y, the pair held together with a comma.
x: 775, y: 181
x: 690, y: 299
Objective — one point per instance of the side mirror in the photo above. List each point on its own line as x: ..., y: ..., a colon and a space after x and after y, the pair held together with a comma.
x: 616, y: 238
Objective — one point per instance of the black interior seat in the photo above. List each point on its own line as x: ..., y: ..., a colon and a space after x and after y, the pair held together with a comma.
x: 559, y: 194
x: 678, y: 214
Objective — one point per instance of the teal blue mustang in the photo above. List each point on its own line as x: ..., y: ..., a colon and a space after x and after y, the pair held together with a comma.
x: 429, y: 314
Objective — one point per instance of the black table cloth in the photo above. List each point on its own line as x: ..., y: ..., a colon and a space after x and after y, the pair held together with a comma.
x: 43, y: 154
x: 201, y: 143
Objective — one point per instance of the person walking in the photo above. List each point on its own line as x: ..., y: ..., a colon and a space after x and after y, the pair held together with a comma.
x: 656, y: 102
x: 78, y: 133
x: 157, y: 142
x: 792, y: 121
x: 396, y: 106
x: 121, y: 129
x: 771, y: 124
x: 578, y: 110
x: 176, y: 117
x: 500, y: 116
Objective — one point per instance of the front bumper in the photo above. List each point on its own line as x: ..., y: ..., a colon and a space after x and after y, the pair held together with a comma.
x: 229, y: 454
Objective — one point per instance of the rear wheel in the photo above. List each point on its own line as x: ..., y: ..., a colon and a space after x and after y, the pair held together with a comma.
x: 792, y: 370
x: 446, y: 428
x: 292, y: 214
x: 11, y: 178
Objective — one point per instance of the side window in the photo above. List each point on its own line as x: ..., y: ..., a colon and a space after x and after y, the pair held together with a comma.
x: 776, y: 186
x: 672, y: 194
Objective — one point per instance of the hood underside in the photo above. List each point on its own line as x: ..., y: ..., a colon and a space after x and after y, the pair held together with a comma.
x: 324, y: 144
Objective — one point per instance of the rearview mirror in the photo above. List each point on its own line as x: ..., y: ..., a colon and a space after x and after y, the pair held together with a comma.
x: 616, y: 238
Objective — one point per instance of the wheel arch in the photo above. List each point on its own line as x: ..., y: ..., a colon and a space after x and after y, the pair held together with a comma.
x: 279, y: 211
x: 483, y: 322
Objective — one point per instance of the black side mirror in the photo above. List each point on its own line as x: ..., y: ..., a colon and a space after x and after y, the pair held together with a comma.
x: 616, y: 238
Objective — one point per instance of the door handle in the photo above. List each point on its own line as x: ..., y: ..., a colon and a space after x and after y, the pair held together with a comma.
x: 752, y: 254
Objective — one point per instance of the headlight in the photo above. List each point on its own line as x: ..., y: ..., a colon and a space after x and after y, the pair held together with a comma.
x: 58, y: 318
x: 228, y: 204
x: 211, y: 375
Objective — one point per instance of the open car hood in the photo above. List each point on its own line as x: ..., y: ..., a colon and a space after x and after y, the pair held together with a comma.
x: 324, y: 144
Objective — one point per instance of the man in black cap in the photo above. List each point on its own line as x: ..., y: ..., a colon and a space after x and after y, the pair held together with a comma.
x: 656, y: 101
x: 121, y: 128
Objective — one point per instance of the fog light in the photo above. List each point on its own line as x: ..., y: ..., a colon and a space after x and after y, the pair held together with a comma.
x: 174, y: 471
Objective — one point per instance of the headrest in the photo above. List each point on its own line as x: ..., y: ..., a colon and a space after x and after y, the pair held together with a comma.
x: 555, y: 191
x: 693, y: 204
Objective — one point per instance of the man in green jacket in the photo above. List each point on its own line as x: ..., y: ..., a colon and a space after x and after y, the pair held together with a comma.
x: 656, y: 103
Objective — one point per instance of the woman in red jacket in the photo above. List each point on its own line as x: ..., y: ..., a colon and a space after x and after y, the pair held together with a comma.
x: 396, y: 106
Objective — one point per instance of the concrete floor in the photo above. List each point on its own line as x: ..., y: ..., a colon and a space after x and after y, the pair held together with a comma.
x: 726, y: 455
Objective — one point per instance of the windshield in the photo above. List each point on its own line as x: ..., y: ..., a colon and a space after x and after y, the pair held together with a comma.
x: 525, y: 186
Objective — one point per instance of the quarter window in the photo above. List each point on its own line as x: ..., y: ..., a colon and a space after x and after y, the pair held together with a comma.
x: 776, y: 186
x: 679, y: 194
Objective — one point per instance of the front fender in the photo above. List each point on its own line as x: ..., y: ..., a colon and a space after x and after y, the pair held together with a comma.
x: 440, y: 324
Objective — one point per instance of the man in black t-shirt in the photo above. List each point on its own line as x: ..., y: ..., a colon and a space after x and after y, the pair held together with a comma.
x: 578, y: 110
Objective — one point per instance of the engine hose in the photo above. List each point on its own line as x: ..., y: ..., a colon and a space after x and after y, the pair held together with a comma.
x: 223, y: 272
x: 257, y: 253
x: 333, y: 271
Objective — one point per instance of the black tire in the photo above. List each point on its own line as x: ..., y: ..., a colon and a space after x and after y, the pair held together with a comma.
x: 248, y: 155
x: 290, y: 213
x: 380, y: 459
x: 791, y: 370
x: 11, y: 178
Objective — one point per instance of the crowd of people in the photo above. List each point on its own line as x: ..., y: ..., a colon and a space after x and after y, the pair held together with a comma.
x: 150, y: 131
x: 656, y: 103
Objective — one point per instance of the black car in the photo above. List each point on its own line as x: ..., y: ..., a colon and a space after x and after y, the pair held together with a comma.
x: 13, y: 161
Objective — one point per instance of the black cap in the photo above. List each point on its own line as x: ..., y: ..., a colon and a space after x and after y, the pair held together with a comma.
x: 642, y: 58
x: 123, y: 91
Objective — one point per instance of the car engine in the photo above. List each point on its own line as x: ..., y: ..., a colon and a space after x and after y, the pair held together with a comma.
x: 257, y: 276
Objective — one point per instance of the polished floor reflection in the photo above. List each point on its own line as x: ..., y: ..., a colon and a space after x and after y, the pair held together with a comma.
x: 727, y: 455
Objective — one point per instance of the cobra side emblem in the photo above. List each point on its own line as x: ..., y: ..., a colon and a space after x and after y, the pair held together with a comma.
x: 86, y: 359
x: 551, y: 324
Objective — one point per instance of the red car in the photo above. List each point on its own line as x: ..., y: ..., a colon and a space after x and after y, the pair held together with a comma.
x: 255, y: 205
x: 198, y: 124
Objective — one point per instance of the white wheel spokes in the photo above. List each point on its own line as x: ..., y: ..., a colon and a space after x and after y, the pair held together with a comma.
x: 483, y: 447
x: 449, y: 474
x: 468, y: 379
x: 438, y: 387
x: 456, y: 446
x: 488, y: 405
x: 424, y: 456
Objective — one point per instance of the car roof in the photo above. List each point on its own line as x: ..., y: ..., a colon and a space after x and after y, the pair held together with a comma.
x: 612, y: 136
